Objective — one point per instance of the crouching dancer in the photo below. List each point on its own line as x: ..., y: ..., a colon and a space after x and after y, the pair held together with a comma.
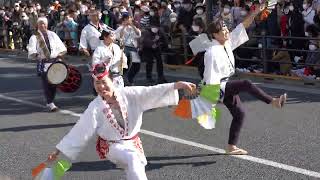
x: 115, y: 116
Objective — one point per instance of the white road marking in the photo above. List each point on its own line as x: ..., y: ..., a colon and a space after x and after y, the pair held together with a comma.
x: 190, y: 143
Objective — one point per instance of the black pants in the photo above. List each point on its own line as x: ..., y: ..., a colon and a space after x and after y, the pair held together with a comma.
x: 48, y: 89
x: 233, y: 103
x: 148, y: 56
x: 135, y: 68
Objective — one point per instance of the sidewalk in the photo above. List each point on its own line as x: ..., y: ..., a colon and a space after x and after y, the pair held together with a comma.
x: 189, y: 71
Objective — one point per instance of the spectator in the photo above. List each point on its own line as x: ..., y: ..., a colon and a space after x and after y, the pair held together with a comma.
x: 198, y: 26
x: 33, y: 17
x: 154, y: 14
x: 25, y: 29
x: 308, y: 13
x: 185, y: 16
x: 15, y: 17
x: 295, y: 30
x: 138, y: 14
x: 316, y: 18
x: 90, y: 34
x: 128, y: 34
x: 284, y: 58
x: 151, y: 41
x: 165, y: 16
x: 236, y: 12
x: 145, y: 20
x: 200, y: 12
x: 126, y: 5
x: 312, y: 31
x: 3, y: 29
x: 108, y: 17
x: 176, y: 6
x: 314, y: 59
x: 284, y: 20
x: 71, y: 31
x: 173, y: 24
x: 227, y: 16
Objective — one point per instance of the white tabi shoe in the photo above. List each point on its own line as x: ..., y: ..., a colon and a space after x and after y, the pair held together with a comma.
x: 52, y: 107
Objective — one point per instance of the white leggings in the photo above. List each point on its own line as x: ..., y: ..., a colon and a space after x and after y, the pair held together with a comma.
x: 129, y: 159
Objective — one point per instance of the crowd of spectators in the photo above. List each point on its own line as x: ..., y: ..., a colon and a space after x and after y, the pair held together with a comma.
x: 177, y: 18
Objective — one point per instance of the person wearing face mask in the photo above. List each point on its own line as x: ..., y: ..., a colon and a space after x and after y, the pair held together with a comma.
x: 227, y: 16
x: 185, y: 16
x: 108, y: 16
x: 219, y: 66
x: 165, y: 16
x: 152, y: 41
x: 308, y: 12
x: 173, y: 24
x: 25, y: 29
x: 200, y: 12
x: 176, y: 5
x: 313, y: 59
x: 313, y: 56
x: 154, y: 14
x: 198, y: 26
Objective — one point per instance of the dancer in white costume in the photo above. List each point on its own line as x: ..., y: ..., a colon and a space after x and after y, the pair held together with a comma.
x: 220, y: 66
x: 112, y: 56
x: 115, y: 116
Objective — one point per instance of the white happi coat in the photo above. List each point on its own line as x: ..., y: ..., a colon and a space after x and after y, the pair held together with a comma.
x: 219, y: 64
x: 89, y: 38
x: 94, y: 120
x: 112, y: 57
x: 109, y: 55
x: 56, y: 46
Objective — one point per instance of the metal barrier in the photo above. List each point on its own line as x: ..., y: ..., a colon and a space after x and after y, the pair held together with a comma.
x: 264, y: 60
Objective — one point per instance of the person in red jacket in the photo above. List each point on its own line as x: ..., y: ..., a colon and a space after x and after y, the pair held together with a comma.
x: 284, y: 20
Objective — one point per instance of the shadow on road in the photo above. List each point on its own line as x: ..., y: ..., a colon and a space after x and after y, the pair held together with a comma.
x: 107, y: 165
x: 35, y: 127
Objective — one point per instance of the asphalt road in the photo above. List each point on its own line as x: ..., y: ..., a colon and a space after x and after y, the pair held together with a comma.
x: 283, y: 144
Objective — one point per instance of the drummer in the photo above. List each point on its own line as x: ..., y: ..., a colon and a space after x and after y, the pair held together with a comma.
x: 45, y: 46
x: 112, y: 56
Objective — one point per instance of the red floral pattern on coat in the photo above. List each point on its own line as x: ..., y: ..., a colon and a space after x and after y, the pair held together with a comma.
x: 138, y: 144
x: 102, y: 148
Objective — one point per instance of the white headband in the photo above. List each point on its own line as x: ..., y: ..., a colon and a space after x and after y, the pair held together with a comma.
x: 42, y: 19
